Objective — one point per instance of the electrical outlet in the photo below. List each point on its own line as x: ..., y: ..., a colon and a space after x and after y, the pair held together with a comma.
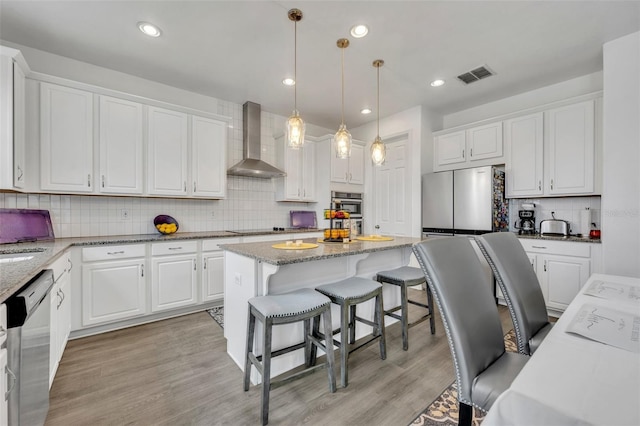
x: 124, y: 214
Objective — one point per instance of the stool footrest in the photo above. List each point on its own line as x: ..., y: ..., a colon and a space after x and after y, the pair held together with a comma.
x: 413, y: 302
x: 366, y: 321
x: 295, y: 376
x: 418, y: 321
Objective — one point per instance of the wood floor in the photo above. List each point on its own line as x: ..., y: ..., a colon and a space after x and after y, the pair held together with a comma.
x: 177, y: 372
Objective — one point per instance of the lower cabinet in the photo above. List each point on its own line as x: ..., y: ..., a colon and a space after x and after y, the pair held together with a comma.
x: 174, y: 274
x: 112, y: 289
x: 60, y: 320
x: 562, y: 268
x: 213, y: 268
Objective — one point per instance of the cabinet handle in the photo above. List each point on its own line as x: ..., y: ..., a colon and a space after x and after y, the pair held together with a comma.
x: 470, y: 152
x: 304, y: 192
x: 463, y: 153
x: 103, y: 181
x: 539, y: 247
x: 111, y: 253
x: 60, y: 299
x: 194, y: 264
x: 350, y: 177
x: 174, y: 248
x: 298, y: 192
x: 142, y: 270
x: 70, y: 264
x: 89, y: 181
x: 545, y: 266
x: 20, y: 173
x: 551, y: 183
x: 539, y: 185
x: 204, y: 265
x: 64, y: 296
x: 13, y: 382
x: 194, y: 187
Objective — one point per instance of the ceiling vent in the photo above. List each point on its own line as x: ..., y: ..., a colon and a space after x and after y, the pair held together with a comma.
x: 475, y: 75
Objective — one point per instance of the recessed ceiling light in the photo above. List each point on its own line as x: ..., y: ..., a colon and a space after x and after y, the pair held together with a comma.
x: 288, y: 82
x: 359, y: 31
x: 365, y: 111
x: 437, y: 83
x: 149, y: 29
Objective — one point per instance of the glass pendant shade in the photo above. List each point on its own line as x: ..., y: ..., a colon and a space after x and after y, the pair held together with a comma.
x: 295, y: 131
x: 378, y: 151
x: 342, y: 142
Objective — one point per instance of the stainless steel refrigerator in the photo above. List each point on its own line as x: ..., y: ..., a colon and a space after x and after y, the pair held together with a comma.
x: 464, y: 202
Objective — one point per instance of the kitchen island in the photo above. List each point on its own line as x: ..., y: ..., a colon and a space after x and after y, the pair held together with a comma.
x: 256, y: 269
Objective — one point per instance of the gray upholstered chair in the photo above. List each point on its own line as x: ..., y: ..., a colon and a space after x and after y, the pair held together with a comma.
x: 472, y: 323
x: 520, y: 287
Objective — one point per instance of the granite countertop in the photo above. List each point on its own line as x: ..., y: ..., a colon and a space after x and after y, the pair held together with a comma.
x: 265, y: 253
x: 15, y: 274
x: 571, y: 238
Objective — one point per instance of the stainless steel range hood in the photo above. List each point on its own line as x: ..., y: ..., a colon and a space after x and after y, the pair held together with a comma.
x: 252, y: 165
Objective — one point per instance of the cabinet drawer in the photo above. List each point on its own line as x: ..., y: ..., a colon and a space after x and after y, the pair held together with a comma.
x: 214, y: 245
x: 110, y: 252
x: 60, y: 266
x: 556, y: 247
x: 175, y: 247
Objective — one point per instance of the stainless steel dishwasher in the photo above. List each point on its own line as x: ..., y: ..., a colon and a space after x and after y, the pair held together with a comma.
x: 28, y: 335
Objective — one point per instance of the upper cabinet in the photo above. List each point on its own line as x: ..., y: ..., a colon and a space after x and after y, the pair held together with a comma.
x: 121, y: 163
x: 66, y: 139
x: 349, y: 170
x: 12, y: 119
x: 208, y: 157
x: 552, y: 152
x: 300, y: 166
x: 476, y: 146
x: 167, y: 152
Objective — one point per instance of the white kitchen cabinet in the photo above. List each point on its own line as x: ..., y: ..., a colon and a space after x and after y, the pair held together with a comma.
x: 66, y: 139
x: 348, y: 170
x: 208, y: 157
x: 113, y: 289
x: 12, y: 120
x: 571, y: 149
x: 476, y: 146
x: 121, y: 161
x: 167, y: 152
x: 524, y: 161
x: 212, y: 278
x: 60, y: 326
x: 562, y: 268
x: 173, y: 275
x: 4, y: 370
x: 300, y: 166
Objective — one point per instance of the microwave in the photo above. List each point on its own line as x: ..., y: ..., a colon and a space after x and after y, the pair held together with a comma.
x: 347, y: 201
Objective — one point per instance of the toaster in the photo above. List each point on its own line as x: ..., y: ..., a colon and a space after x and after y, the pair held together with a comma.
x: 556, y: 227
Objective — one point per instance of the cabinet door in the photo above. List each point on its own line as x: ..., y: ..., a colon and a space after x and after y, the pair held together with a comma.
x: 571, y: 149
x: 112, y: 291
x: 54, y: 302
x: 339, y: 166
x: 4, y: 379
x: 356, y: 164
x: 485, y: 141
x: 173, y: 282
x: 121, y: 161
x: 308, y: 171
x: 524, y: 140
x: 209, y: 157
x: 66, y: 137
x: 64, y: 314
x: 18, y: 127
x: 167, y: 152
x: 293, y: 168
x: 213, y: 276
x: 564, y: 277
x: 450, y: 148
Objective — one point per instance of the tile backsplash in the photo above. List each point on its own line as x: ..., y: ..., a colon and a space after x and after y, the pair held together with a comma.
x: 566, y: 208
x: 250, y: 202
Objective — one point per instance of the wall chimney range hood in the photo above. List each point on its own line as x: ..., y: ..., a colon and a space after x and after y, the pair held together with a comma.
x: 251, y: 164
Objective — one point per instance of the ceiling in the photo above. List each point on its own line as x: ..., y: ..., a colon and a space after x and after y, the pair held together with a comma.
x: 241, y: 50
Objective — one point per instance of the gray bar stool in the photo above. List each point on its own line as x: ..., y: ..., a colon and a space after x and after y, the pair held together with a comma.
x: 403, y: 277
x: 286, y: 308
x: 347, y: 294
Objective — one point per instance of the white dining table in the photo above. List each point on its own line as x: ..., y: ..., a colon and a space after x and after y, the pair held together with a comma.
x: 573, y: 380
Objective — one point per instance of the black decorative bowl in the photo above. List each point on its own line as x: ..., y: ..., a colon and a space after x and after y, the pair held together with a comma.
x: 165, y: 224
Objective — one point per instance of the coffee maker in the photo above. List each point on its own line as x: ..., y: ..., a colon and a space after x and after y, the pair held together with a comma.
x: 527, y: 223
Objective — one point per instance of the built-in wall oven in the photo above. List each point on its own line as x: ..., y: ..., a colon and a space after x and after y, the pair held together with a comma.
x: 350, y: 202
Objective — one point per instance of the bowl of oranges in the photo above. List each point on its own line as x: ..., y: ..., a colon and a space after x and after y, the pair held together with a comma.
x: 165, y: 224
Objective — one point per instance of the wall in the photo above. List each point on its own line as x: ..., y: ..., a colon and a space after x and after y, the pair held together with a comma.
x: 621, y: 157
x: 250, y: 201
x: 565, y: 208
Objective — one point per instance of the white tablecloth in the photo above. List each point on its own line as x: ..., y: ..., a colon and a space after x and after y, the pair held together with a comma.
x: 571, y: 380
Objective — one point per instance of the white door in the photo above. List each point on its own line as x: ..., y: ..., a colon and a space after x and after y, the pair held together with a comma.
x: 121, y: 160
x: 209, y: 157
x: 339, y: 166
x: 309, y: 171
x: 450, y: 148
x: 167, y: 152
x: 485, y: 141
x: 173, y: 282
x: 213, y: 276
x: 571, y: 145
x: 564, y: 276
x: 19, y: 112
x: 66, y: 138
x: 356, y: 164
x: 524, y: 156
x: 391, y: 190
x: 293, y: 167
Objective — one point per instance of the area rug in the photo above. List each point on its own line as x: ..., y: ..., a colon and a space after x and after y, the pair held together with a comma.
x: 217, y: 314
x: 443, y: 411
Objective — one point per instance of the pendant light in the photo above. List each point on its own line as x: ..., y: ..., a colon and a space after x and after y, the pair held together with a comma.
x: 378, y: 150
x: 342, y: 138
x: 295, y: 126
